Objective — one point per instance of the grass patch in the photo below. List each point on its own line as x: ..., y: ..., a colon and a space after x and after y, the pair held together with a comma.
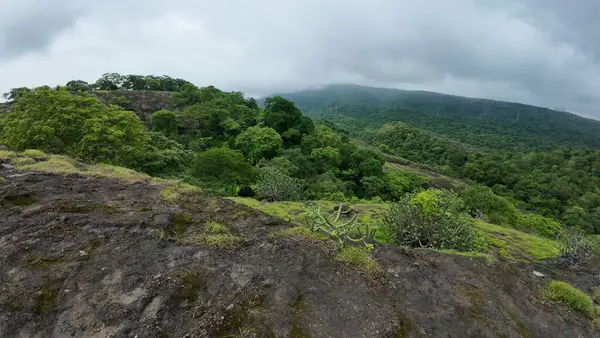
x: 181, y: 222
x: 571, y: 297
x: 7, y: 155
x: 215, y: 228
x: 217, y: 241
x: 290, y: 211
x: 159, y: 233
x: 359, y: 258
x: 109, y: 171
x: 173, y: 190
x: 21, y: 161
x: 64, y: 165
x: 55, y: 164
x: 516, y: 245
x: 597, y: 294
x: 35, y: 153
x: 406, y: 326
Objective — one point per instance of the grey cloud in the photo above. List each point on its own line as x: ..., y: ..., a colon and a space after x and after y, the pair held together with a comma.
x: 532, y: 51
x: 31, y: 25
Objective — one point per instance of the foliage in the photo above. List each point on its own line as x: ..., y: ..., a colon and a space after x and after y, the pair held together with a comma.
x: 163, y: 157
x: 281, y: 114
x: 575, y: 249
x: 77, y: 85
x: 259, y: 142
x: 325, y: 159
x: 16, y: 93
x: 562, y: 184
x: 342, y: 231
x: 432, y: 219
x: 223, y: 166
x: 274, y: 185
x: 541, y: 225
x: 400, y: 183
x: 571, y: 297
x: 481, y: 201
x: 164, y: 121
x: 57, y: 122
x: 480, y: 122
x: 115, y: 81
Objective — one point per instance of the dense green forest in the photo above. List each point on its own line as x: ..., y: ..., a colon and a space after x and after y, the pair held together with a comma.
x: 225, y: 143
x: 479, y: 122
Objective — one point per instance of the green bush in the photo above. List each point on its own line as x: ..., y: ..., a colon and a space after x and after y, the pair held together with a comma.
x: 432, y: 219
x: 539, y: 224
x: 163, y: 157
x: 400, y: 183
x: 77, y: 125
x: 223, y: 166
x: 274, y: 185
x: 571, y: 297
x: 482, y: 202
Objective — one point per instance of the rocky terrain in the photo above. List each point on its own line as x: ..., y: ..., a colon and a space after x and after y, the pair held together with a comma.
x: 85, y: 256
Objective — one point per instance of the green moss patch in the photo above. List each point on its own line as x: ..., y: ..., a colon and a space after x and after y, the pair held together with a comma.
x: 571, y: 297
x: 359, y: 258
x: 516, y: 245
x: 46, y: 299
x: 20, y: 201
x: 83, y: 207
x: 217, y: 241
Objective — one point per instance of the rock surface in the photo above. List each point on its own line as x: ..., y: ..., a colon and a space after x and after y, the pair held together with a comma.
x: 83, y: 257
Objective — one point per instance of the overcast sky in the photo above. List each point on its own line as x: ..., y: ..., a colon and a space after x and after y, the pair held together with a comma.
x: 544, y: 52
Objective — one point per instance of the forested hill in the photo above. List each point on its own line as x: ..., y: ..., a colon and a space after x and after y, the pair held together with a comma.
x: 480, y: 122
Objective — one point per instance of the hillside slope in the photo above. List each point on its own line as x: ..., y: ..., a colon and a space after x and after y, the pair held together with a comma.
x: 480, y: 122
x: 90, y: 255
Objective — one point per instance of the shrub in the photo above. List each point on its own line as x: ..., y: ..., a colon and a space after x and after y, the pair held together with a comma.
x: 76, y: 125
x: 575, y: 249
x: 432, y: 219
x: 400, y: 183
x: 341, y: 230
x: 162, y: 156
x: 543, y: 226
x: 571, y: 297
x: 274, y: 185
x: 223, y: 166
x: 496, y: 209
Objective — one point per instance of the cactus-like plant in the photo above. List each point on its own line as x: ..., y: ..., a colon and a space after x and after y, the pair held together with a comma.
x: 341, y: 231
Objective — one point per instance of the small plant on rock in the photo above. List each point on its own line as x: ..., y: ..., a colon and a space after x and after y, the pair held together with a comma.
x: 342, y: 230
x: 575, y: 249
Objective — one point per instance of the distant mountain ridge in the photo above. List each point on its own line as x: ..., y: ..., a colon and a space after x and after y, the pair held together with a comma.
x: 480, y: 122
